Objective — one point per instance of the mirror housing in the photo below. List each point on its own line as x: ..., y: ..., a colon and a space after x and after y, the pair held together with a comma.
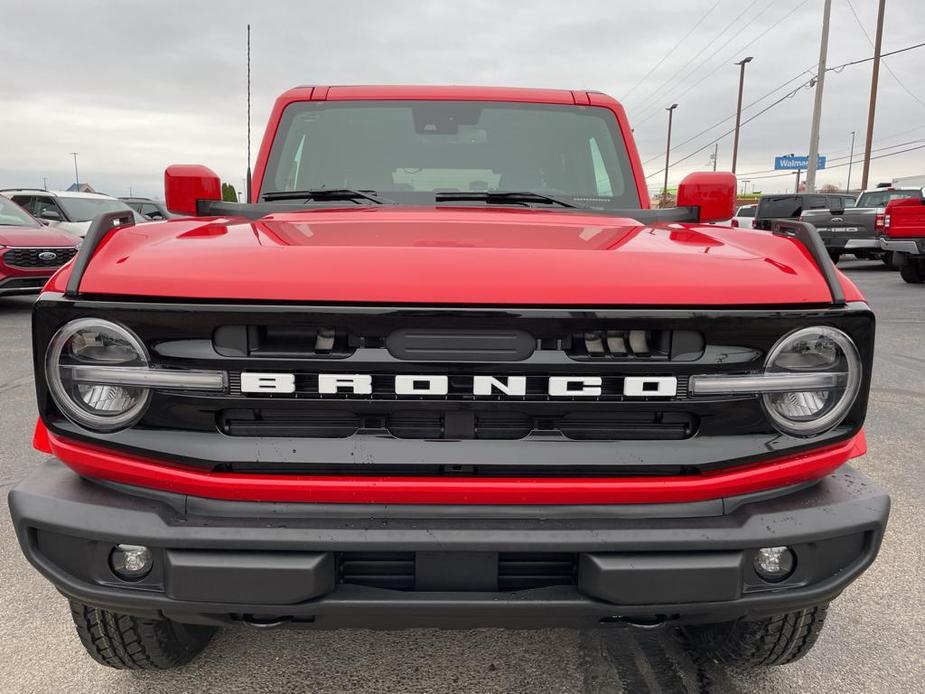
x: 186, y: 184
x: 713, y: 192
x: 49, y: 214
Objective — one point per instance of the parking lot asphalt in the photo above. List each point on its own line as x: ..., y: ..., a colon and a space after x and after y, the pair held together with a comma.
x: 874, y: 640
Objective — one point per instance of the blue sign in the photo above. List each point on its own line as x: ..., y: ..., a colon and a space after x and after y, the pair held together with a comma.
x: 792, y: 163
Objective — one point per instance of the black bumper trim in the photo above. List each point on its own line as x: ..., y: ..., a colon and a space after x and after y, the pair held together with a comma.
x: 844, y: 512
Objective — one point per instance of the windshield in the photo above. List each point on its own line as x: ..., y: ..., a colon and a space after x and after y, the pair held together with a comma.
x: 85, y: 209
x: 880, y: 198
x: 396, y: 147
x: 12, y: 214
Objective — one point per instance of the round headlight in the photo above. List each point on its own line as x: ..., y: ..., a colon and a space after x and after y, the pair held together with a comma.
x: 94, y: 342
x: 813, y: 350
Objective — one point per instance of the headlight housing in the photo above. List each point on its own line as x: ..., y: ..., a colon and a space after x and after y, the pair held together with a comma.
x: 814, y: 350
x: 95, y: 342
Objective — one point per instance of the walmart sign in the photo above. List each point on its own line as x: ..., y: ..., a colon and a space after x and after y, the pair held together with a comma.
x: 789, y: 162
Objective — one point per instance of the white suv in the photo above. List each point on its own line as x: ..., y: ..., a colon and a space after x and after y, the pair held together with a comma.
x: 69, y: 211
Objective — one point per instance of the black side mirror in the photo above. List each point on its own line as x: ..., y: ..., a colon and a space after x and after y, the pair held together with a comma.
x: 51, y: 214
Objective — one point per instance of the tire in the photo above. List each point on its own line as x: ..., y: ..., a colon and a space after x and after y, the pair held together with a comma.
x: 912, y: 272
x: 774, y: 640
x: 126, y: 642
x: 834, y: 256
x: 888, y: 260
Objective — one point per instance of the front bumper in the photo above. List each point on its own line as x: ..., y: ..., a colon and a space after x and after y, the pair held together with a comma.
x: 29, y: 284
x: 329, y: 565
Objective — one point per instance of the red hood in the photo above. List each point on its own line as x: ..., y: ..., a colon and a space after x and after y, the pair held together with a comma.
x: 36, y: 236
x: 455, y: 256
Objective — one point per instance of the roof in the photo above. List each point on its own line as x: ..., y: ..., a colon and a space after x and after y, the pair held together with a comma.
x: 55, y: 193
x: 467, y: 93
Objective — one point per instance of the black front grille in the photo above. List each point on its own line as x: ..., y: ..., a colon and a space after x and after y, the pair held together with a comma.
x: 392, y: 570
x: 460, y: 424
x: 515, y: 570
x: 38, y: 257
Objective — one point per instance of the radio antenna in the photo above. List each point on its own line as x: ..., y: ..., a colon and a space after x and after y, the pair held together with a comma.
x: 248, y: 186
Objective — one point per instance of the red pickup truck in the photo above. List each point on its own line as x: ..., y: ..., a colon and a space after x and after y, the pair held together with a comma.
x: 904, y: 235
x: 445, y: 367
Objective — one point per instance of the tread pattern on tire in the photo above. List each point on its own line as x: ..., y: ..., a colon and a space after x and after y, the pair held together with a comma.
x: 776, y: 640
x: 133, y: 643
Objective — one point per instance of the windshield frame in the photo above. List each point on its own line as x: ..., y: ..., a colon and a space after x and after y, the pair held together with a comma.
x: 621, y: 160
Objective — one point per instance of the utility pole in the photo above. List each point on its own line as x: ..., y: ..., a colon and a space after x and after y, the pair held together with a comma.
x: 735, y: 140
x: 817, y: 106
x: 670, y: 110
x: 44, y: 183
x: 76, y: 175
x: 248, y: 182
x: 797, y: 188
x: 745, y: 186
x: 874, y: 78
x: 715, y: 155
x: 850, y: 162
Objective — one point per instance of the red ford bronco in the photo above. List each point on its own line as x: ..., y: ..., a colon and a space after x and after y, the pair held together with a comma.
x: 446, y: 367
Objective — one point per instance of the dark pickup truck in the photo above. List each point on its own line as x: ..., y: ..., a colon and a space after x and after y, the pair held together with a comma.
x: 856, y: 230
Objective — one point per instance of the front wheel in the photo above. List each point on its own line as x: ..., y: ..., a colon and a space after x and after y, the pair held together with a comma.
x: 774, y: 640
x: 126, y: 642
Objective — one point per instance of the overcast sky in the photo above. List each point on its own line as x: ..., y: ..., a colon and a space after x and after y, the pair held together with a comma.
x: 134, y: 86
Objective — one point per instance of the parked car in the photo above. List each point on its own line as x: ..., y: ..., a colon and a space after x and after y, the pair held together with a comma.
x: 67, y: 210
x: 792, y: 205
x: 744, y: 216
x: 904, y: 236
x: 29, y: 252
x: 148, y: 208
x: 528, y: 400
x: 856, y: 230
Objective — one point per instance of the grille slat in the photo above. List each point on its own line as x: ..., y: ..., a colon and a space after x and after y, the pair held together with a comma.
x: 30, y: 257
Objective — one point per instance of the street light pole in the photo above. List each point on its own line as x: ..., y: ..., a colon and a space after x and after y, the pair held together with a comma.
x: 735, y: 140
x: 44, y: 183
x: 76, y: 175
x: 817, y: 106
x: 670, y: 110
x: 871, y: 109
x: 850, y: 162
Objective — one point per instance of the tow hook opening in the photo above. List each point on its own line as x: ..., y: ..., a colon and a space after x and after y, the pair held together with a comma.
x: 646, y: 622
x: 265, y: 621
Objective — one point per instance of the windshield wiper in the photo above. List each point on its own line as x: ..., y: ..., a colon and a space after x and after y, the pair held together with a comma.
x: 325, y: 194
x: 502, y: 197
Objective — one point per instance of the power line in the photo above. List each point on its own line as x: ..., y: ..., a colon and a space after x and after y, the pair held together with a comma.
x: 731, y: 116
x: 671, y: 51
x: 808, y: 83
x: 846, y: 156
x: 646, y: 100
x: 879, y: 156
x: 888, y: 68
x: 722, y: 63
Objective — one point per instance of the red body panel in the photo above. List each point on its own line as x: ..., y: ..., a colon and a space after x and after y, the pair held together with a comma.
x: 99, y: 463
x: 454, y: 256
x: 907, y: 218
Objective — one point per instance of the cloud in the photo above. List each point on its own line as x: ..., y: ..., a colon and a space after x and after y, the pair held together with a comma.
x: 133, y: 86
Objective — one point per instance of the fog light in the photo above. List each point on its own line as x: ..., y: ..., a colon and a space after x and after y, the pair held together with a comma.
x: 774, y: 563
x: 131, y: 561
